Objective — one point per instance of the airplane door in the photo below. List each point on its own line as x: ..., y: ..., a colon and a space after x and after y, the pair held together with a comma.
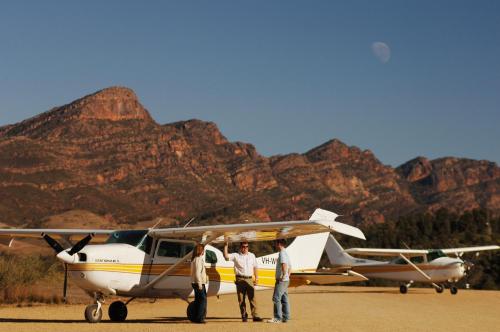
x: 167, y: 253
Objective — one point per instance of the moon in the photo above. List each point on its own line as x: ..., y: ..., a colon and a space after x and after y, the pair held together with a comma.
x: 382, y: 51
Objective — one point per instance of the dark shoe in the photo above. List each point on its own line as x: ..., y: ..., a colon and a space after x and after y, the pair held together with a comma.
x: 257, y: 319
x: 244, y: 318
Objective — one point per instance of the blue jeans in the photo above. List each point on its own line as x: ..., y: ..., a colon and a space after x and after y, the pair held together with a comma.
x: 200, y: 300
x: 280, y: 300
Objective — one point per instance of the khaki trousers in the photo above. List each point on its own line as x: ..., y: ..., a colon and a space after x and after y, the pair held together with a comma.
x: 244, y: 287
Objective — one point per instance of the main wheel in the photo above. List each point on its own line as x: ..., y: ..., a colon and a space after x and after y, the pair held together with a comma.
x: 191, y: 312
x: 117, y: 311
x: 453, y: 290
x: 93, y: 314
x: 403, y: 289
x: 440, y: 289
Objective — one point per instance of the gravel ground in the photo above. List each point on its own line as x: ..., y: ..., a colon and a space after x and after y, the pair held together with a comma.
x: 313, y: 309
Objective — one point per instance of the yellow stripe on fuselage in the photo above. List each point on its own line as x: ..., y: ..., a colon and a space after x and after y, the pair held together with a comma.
x: 218, y: 273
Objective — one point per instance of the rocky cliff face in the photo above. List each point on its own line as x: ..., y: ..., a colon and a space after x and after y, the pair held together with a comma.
x: 105, y: 154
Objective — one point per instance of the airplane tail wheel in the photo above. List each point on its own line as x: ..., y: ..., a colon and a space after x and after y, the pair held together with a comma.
x: 93, y: 313
x: 117, y: 311
x: 403, y: 289
x: 453, y: 290
x: 440, y: 289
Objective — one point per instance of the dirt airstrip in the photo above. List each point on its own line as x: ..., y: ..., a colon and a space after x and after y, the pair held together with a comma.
x: 313, y: 309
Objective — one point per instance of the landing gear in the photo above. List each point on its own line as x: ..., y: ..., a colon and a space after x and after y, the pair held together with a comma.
x: 403, y: 289
x: 117, y: 311
x: 191, y: 312
x: 93, y: 312
x: 439, y: 288
x: 453, y: 290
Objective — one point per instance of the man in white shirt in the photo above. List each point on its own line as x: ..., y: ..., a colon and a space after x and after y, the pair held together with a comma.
x: 246, y: 271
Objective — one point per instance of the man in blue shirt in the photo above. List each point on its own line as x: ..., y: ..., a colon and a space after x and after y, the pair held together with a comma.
x: 280, y: 295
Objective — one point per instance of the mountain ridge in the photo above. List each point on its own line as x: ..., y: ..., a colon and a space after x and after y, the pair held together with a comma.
x: 104, y: 153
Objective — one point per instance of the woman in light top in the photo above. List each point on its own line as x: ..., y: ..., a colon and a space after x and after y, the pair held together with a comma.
x: 199, y: 279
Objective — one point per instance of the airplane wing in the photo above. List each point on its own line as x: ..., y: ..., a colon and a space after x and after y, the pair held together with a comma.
x: 263, y: 231
x: 460, y: 251
x: 100, y: 235
x: 386, y: 252
x: 325, y: 278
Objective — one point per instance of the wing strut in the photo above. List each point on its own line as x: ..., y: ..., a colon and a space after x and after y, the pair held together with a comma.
x: 426, y: 276
x: 168, y: 271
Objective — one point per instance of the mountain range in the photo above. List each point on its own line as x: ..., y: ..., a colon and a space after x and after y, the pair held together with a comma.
x: 104, y: 154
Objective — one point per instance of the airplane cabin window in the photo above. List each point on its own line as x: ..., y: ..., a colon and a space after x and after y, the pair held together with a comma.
x: 414, y: 260
x: 210, y: 257
x: 174, y: 249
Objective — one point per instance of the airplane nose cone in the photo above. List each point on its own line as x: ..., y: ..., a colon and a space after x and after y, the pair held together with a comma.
x: 65, y: 257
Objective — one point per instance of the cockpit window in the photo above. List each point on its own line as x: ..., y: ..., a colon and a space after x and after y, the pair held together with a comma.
x: 136, y: 238
x: 145, y: 244
x: 435, y: 253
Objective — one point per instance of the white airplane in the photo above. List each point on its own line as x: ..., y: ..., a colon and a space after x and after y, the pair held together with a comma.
x: 432, y: 266
x: 154, y: 263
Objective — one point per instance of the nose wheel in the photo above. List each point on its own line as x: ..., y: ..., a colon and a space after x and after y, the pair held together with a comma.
x: 453, y: 290
x: 93, y: 312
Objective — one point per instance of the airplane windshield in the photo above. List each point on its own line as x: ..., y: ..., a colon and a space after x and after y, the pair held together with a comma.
x: 134, y: 238
x: 435, y: 253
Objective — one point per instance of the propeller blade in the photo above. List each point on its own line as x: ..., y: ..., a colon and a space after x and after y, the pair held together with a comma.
x: 53, y: 243
x: 80, y: 244
x: 65, y: 287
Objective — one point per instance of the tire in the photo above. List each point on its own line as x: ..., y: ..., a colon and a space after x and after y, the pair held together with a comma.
x: 403, y: 289
x: 92, y: 315
x: 453, y: 290
x: 191, y: 312
x: 117, y: 311
x: 440, y: 289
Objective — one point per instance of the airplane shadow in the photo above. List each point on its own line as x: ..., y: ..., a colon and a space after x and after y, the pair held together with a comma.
x: 156, y: 320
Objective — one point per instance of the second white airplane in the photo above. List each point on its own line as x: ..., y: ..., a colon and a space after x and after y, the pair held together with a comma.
x: 433, y: 266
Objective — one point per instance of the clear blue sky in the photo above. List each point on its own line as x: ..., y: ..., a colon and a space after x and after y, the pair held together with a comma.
x: 283, y: 75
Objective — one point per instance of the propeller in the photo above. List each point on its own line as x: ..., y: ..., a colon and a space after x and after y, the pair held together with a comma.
x: 66, y: 256
x: 80, y: 244
x: 469, y: 265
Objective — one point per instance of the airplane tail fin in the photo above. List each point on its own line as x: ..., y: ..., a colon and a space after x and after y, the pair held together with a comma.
x: 305, y: 251
x: 336, y: 253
